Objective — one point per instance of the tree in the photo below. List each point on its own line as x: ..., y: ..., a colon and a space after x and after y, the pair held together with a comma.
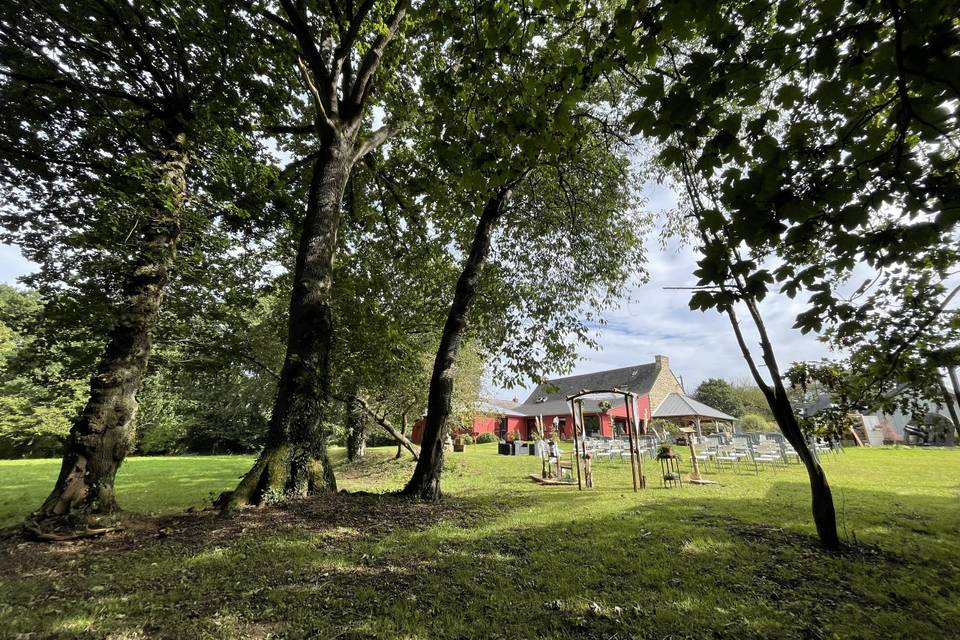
x: 719, y: 394
x: 331, y: 52
x: 752, y: 399
x: 36, y: 401
x: 809, y: 137
x: 105, y: 111
x: 753, y: 422
x: 527, y: 169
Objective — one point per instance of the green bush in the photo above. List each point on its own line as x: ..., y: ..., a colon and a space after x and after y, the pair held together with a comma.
x: 754, y: 422
x: 484, y: 438
x: 467, y: 438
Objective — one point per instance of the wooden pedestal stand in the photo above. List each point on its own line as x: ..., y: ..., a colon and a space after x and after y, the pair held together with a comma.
x: 694, y: 477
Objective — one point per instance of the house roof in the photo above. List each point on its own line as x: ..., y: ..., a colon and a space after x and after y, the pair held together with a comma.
x: 679, y: 405
x: 550, y: 398
x: 591, y: 404
x: 497, y: 407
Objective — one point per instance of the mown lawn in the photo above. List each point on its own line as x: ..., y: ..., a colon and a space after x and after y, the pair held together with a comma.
x: 501, y: 557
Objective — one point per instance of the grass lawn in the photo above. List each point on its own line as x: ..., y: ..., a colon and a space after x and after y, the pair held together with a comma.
x: 500, y: 557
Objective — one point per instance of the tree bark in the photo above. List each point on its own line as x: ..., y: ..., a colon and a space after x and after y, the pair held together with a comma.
x: 356, y: 432
x: 402, y: 438
x: 294, y: 461
x: 425, y: 482
x: 951, y: 407
x: 955, y: 383
x: 102, y: 433
x: 824, y: 513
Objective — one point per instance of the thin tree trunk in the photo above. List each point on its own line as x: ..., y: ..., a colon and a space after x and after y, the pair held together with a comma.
x: 948, y: 399
x: 400, y: 440
x: 294, y: 461
x: 824, y: 513
x: 425, y: 482
x: 955, y: 382
x: 356, y: 431
x: 101, y: 435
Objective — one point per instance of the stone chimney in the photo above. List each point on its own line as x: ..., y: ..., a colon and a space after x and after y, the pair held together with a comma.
x: 662, y: 361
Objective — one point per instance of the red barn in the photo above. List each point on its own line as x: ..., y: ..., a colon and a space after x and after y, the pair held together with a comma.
x: 651, y: 382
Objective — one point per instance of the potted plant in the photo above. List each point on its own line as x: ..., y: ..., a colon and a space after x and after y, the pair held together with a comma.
x: 665, y: 451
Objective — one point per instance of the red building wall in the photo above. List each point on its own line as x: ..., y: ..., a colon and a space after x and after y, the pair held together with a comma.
x: 523, y: 424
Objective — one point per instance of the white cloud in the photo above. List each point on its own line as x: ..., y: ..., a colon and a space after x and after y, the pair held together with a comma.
x: 700, y: 345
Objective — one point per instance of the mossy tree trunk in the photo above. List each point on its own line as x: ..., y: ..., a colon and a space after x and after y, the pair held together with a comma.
x: 102, y: 433
x: 294, y: 461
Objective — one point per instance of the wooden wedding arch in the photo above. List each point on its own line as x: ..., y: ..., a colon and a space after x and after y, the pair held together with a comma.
x: 575, y: 402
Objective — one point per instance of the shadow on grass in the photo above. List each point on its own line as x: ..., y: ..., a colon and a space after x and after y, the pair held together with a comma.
x: 556, y: 564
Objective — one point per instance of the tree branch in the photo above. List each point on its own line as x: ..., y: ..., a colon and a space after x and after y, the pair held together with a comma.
x: 376, y: 139
x: 371, y: 61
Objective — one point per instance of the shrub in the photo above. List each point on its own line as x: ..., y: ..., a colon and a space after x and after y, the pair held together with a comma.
x: 467, y: 438
x: 753, y: 422
x: 486, y: 437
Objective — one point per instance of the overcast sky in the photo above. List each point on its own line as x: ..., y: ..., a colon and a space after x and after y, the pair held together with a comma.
x: 699, y: 344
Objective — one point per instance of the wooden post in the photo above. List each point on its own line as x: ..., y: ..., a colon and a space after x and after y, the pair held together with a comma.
x: 576, y: 445
x: 631, y: 439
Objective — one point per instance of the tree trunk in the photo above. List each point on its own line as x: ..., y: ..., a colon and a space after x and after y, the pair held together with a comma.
x: 401, y: 439
x: 101, y: 435
x: 824, y: 513
x: 425, y: 482
x: 955, y: 405
x: 294, y: 461
x: 356, y: 431
x: 948, y: 399
x: 403, y: 436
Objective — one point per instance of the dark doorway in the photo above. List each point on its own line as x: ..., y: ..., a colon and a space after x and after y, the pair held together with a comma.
x: 591, y: 425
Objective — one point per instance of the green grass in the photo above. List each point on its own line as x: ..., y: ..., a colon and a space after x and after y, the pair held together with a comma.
x: 502, y: 557
x: 145, y: 485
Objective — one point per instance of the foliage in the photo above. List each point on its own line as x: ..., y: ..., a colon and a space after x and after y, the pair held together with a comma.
x: 720, y: 394
x: 37, y: 398
x: 830, y: 424
x: 817, y: 143
x: 487, y: 437
x: 468, y: 439
x: 751, y: 398
x: 665, y: 426
x: 513, y: 113
x: 754, y: 422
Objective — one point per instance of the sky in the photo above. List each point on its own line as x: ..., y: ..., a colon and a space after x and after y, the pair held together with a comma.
x: 657, y: 321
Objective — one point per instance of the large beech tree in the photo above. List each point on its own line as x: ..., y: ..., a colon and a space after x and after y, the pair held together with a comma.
x: 106, y: 108
x: 533, y: 186
x: 329, y: 52
x: 813, y: 139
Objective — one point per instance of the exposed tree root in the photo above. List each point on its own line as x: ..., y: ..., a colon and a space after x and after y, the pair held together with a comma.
x: 38, y: 534
x: 75, y: 526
